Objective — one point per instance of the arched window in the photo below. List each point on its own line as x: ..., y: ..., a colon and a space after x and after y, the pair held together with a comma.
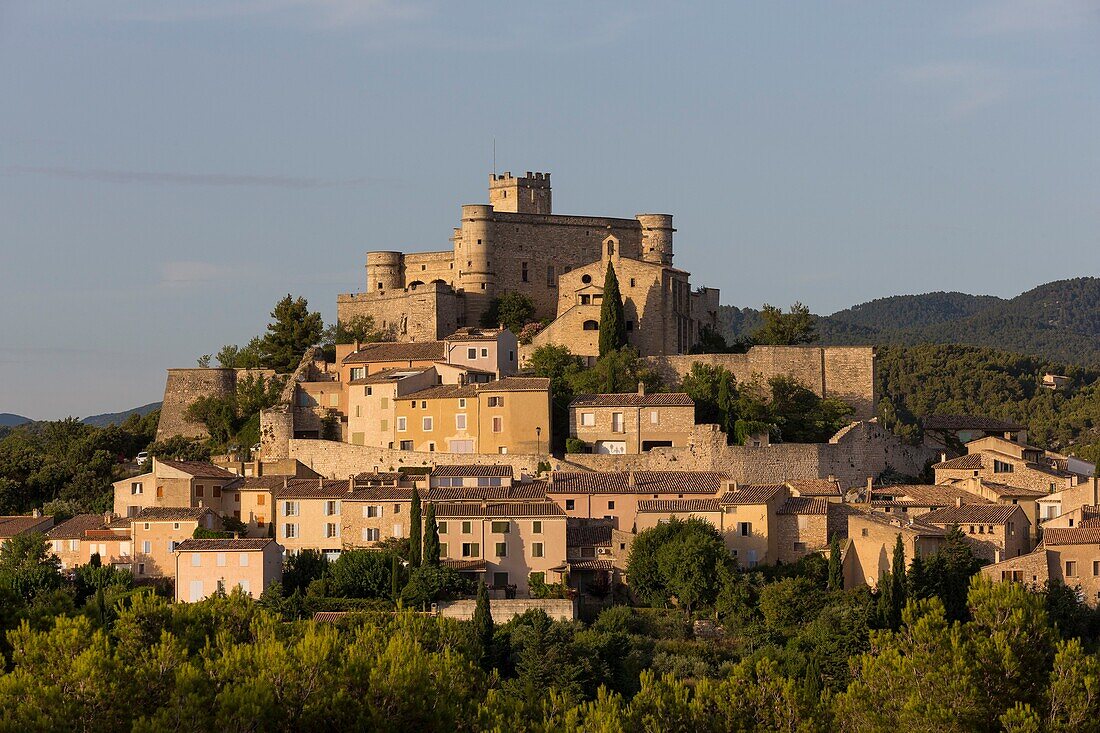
x: 610, y: 247
x: 414, y: 284
x: 591, y: 325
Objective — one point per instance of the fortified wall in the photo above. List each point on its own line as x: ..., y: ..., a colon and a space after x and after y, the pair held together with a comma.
x: 844, y: 372
x: 184, y: 386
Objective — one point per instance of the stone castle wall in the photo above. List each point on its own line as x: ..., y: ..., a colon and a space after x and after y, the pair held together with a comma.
x: 184, y: 386
x: 844, y: 372
x: 341, y: 460
x: 424, y: 313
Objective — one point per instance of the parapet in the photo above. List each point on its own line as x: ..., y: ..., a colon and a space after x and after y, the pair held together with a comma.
x: 534, y: 179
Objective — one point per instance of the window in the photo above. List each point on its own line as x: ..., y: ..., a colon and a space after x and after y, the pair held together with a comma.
x: 401, y: 424
x: 466, y: 528
x: 799, y: 546
x: 243, y: 585
x: 385, y: 426
x: 442, y: 527
x: 221, y: 560
x: 471, y: 353
x: 496, y: 402
x: 135, y: 488
x: 160, y: 492
x: 332, y: 508
x: 500, y: 527
x: 500, y: 580
x: 570, y: 504
x: 384, y: 403
x: 484, y: 353
x: 217, y: 491
x: 471, y: 549
x: 443, y: 549
x: 290, y: 508
x: 290, y: 531
x: 1002, y: 467
x: 1071, y: 568
x: 146, y: 547
x: 590, y: 551
x: 259, y: 499
x: 617, y: 422
x: 359, y: 373
x: 244, y: 559
x: 423, y: 404
x: 654, y: 417
x: 591, y: 325
x: 536, y: 549
x: 586, y: 279
x: 431, y: 447
x: 332, y: 530
x: 427, y: 424
x: 196, y: 560
x: 536, y: 527
x: 502, y: 549
x: 523, y: 271
x: 372, y: 510
x: 744, y: 529
x: 198, y: 491
x: 462, y: 403
x: 171, y: 546
x: 460, y: 421
x: 632, y: 283
x: 551, y: 281
x: 406, y: 445
x: 397, y: 530
x: 176, y: 525
x: 370, y: 534
x: 498, y: 424
x: 1096, y: 567
x: 588, y: 419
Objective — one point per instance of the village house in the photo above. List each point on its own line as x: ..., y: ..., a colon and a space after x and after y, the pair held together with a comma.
x: 596, y: 555
x: 156, y: 531
x: 994, y: 531
x: 1017, y: 464
x: 1061, y: 502
x: 632, y: 423
x: 309, y: 515
x: 12, y: 526
x: 872, y: 538
x: 202, y: 567
x: 372, y: 401
x: 951, y: 433
x: 506, y: 541
x: 914, y: 500
x: 172, y: 484
x: 1069, y: 555
x: 750, y: 522
x: 67, y: 540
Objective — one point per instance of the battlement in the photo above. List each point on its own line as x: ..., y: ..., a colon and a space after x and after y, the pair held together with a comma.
x: 528, y: 194
x: 536, y: 178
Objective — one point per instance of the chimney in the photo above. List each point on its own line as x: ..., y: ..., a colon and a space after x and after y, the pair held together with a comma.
x: 870, y: 492
x: 286, y: 482
x: 943, y: 457
x: 641, y: 389
x: 36, y: 513
x: 356, y: 345
x: 236, y: 535
x: 831, y: 478
x: 108, y: 516
x: 958, y: 501
x: 630, y: 478
x: 351, y: 484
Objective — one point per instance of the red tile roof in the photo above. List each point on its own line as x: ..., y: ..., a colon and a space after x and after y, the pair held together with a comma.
x: 312, y: 488
x: 11, y: 526
x: 633, y: 399
x: 586, y: 564
x: 644, y: 482
x: 1054, y: 536
x: 677, y: 506
x: 73, y: 529
x: 465, y: 566
x: 515, y: 384
x: 588, y: 535
x: 804, y: 505
x: 397, y: 351
x: 815, y: 487
x: 518, y: 492
x: 589, y: 482
x: 198, y: 469
x: 709, y: 482
x: 969, y: 462
x: 233, y: 545
x: 752, y: 493
x: 924, y: 495
x: 163, y: 514
x: 975, y: 513
x: 472, y: 471
x: 502, y: 510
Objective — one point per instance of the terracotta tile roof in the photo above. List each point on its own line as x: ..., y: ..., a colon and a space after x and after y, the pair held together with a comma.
x: 804, y: 505
x: 650, y: 482
x: 924, y: 495
x: 379, y: 493
x: 235, y: 545
x: 815, y: 487
x: 472, y: 333
x: 515, y: 384
x: 1054, y: 536
x: 11, y: 526
x: 909, y: 524
x: 73, y: 529
x: 516, y: 492
x: 752, y: 493
x: 588, y: 535
x: 258, y: 483
x: 163, y: 514
x: 633, y: 399
x: 386, y: 375
x: 969, y: 462
x: 397, y: 351
x: 587, y: 564
x: 472, y: 471
x: 969, y: 422
x: 465, y: 566
x: 975, y: 513
x: 375, y: 478
x: 1017, y: 492
x: 198, y: 469
x: 502, y: 510
x: 674, y: 506
x: 645, y: 482
x: 312, y: 488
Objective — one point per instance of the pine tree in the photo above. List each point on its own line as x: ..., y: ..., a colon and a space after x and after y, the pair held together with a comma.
x: 431, y: 538
x: 612, y: 318
x: 918, y: 585
x: 483, y: 626
x: 292, y: 330
x: 415, y: 537
x: 836, y: 571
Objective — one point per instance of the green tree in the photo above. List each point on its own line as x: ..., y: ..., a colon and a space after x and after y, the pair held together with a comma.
x: 431, y: 537
x: 836, y: 569
x: 360, y: 574
x: 786, y: 329
x: 416, y: 539
x: 949, y: 571
x: 512, y: 310
x: 28, y: 566
x: 559, y: 365
x: 292, y: 331
x: 430, y: 583
x: 612, y: 317
x: 892, y: 587
x: 680, y: 560
x: 617, y: 371
x: 302, y: 568
x: 707, y: 384
x: 250, y: 356
x: 483, y: 626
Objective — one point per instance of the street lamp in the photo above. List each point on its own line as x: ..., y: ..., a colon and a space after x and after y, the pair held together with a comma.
x: 538, y: 440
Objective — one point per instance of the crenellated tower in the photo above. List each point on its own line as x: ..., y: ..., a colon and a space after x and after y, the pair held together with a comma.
x: 529, y: 194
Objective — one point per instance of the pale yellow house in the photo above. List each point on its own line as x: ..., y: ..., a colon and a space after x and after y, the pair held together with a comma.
x: 12, y: 526
x: 631, y: 423
x: 156, y: 531
x: 67, y: 539
x: 871, y: 540
x: 202, y: 568
x: 309, y: 515
x: 172, y: 484
x: 1069, y: 555
x: 372, y: 400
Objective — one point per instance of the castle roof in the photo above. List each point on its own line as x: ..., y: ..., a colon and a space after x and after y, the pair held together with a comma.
x: 397, y: 351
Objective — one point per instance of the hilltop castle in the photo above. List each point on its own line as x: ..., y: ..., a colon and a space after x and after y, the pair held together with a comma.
x: 516, y: 244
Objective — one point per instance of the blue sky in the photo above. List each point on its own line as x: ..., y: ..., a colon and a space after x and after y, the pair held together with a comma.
x: 168, y: 170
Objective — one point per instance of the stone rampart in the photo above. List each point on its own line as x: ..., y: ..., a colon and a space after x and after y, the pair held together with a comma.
x: 184, y: 386
x: 340, y: 460
x: 504, y: 610
x: 424, y: 313
x: 844, y: 372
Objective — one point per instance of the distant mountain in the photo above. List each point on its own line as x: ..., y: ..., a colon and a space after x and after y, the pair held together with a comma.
x: 1059, y: 321
x: 9, y: 420
x: 115, y: 418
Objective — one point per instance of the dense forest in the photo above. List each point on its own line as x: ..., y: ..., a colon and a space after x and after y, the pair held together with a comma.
x: 933, y: 650
x: 1059, y: 320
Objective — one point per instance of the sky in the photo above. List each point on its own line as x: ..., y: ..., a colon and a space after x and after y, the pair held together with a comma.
x: 169, y: 170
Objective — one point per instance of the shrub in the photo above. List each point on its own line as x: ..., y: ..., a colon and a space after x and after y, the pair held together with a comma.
x: 575, y: 445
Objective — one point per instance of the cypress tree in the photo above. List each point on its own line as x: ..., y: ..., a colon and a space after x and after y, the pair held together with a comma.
x: 395, y: 578
x: 415, y: 537
x: 483, y: 626
x: 612, y: 318
x: 836, y: 571
x: 892, y: 600
x: 431, y: 538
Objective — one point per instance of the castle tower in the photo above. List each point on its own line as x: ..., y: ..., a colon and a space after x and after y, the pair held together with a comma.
x: 527, y: 195
x: 656, y: 237
x: 474, y: 260
x: 384, y: 271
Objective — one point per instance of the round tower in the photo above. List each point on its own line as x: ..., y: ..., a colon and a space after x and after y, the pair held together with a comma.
x: 384, y: 271
x: 656, y: 237
x: 475, y: 259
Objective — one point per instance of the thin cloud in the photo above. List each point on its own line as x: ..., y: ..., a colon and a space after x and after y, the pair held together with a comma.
x: 125, y: 177
x: 186, y: 273
x: 329, y: 14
